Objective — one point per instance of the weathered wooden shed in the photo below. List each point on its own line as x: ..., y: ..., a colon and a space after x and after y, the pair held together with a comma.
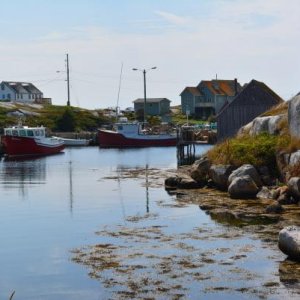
x: 254, y: 99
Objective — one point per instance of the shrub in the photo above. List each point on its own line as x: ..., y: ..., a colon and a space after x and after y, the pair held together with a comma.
x: 257, y: 150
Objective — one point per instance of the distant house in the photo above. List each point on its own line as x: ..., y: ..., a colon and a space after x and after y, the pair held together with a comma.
x: 254, y: 99
x: 21, y: 92
x: 154, y: 106
x: 208, y: 97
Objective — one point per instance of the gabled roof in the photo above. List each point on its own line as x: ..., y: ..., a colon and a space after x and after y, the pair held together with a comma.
x: 150, y: 100
x: 193, y: 90
x: 221, y: 87
x: 22, y: 87
x: 251, y: 90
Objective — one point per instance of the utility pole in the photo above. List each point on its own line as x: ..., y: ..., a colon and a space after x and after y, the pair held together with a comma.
x: 145, y: 99
x: 68, y: 80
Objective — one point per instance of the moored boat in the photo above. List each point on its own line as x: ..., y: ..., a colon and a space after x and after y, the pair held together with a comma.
x: 131, y: 135
x: 73, y: 142
x: 21, y: 141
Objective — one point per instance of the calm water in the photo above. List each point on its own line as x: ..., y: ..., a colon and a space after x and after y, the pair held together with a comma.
x: 51, y: 205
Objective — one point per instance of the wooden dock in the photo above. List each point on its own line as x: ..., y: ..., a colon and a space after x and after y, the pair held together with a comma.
x: 187, y: 139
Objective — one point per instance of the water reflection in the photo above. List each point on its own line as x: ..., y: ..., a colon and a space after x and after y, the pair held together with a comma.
x: 124, y: 171
x: 22, y: 173
x: 71, y: 185
x: 289, y: 273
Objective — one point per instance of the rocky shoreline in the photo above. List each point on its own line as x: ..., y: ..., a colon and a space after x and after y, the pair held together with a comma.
x: 245, y: 193
x: 239, y: 195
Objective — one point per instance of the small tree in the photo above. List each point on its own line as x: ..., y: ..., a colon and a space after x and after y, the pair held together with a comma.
x: 67, y: 121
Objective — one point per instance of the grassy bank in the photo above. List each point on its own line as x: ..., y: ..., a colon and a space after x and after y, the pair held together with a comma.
x: 259, y: 150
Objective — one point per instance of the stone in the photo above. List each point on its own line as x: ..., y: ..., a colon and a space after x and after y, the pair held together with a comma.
x: 294, y: 116
x: 187, y: 183
x: 265, y: 175
x: 172, y: 182
x: 286, y: 199
x: 246, y: 170
x: 267, y: 124
x: 200, y: 168
x: 294, y: 187
x: 282, y: 162
x: 289, y: 242
x: 243, y: 187
x: 219, y: 175
x: 264, y: 193
x: 274, y: 209
x: 181, y: 182
x: 294, y: 158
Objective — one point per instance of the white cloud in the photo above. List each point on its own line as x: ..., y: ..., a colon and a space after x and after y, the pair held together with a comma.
x: 172, y: 18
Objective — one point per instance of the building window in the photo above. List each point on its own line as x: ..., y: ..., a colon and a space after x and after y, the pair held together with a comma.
x: 2, y: 87
x: 8, y: 96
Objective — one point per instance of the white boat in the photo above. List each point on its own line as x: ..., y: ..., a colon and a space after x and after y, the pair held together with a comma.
x: 73, y: 142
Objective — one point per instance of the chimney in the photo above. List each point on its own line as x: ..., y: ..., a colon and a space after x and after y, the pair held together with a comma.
x: 235, y: 86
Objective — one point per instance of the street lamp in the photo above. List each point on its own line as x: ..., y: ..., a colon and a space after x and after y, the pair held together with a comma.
x: 144, y: 75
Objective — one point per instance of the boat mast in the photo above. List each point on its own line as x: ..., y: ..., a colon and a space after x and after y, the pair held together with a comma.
x: 120, y: 79
x: 68, y: 79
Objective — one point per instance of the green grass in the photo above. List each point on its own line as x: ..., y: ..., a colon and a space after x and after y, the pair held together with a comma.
x: 258, y: 150
x: 56, y: 118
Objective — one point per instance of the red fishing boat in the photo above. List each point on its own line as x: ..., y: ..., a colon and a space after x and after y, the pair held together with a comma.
x: 29, y: 141
x: 132, y: 135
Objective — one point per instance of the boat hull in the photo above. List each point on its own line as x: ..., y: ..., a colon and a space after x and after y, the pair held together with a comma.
x: 26, y: 146
x: 110, y: 139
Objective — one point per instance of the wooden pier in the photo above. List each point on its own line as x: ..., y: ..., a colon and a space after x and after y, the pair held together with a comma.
x: 187, y: 139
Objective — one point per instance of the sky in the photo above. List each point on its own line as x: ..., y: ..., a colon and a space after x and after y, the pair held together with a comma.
x: 187, y: 40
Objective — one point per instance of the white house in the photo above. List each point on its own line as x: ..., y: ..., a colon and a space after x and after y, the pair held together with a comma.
x: 20, y: 92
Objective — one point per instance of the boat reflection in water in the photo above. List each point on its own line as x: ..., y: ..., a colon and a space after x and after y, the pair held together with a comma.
x: 23, y: 173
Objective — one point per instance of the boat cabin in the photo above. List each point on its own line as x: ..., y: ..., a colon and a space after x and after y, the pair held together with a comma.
x: 25, y: 131
x: 128, y: 128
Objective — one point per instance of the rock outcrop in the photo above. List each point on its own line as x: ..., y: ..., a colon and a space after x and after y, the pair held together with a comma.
x: 219, y: 175
x: 243, y: 187
x: 181, y: 182
x: 294, y: 116
x: 199, y: 170
x: 267, y: 124
x: 289, y: 242
x: 246, y: 170
x: 294, y: 187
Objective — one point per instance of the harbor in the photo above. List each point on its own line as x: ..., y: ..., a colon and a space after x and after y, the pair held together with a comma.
x: 60, y: 209
x: 149, y: 150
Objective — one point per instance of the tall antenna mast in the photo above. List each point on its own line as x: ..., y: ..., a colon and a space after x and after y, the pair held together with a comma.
x: 68, y: 80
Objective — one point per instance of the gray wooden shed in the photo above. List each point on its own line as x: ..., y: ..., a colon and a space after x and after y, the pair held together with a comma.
x: 254, y: 99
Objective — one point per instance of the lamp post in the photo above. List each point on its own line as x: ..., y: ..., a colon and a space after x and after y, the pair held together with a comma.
x: 144, y: 77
